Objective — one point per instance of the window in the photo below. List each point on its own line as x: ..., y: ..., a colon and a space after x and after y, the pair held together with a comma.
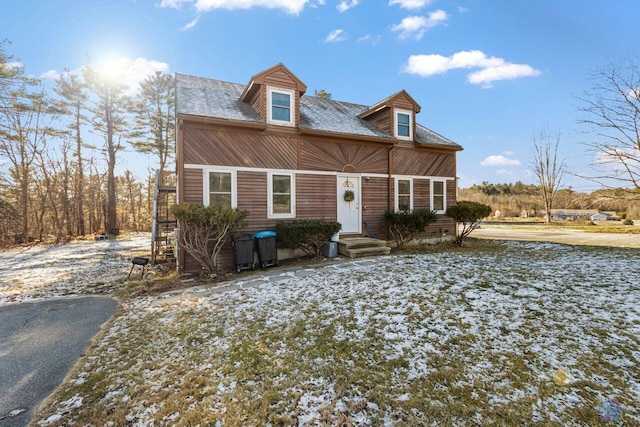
x: 220, y: 188
x: 404, y: 194
x: 438, y: 196
x: 281, y: 188
x: 281, y: 105
x: 403, y: 124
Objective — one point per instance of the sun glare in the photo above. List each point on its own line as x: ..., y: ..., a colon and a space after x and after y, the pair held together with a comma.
x: 113, y: 68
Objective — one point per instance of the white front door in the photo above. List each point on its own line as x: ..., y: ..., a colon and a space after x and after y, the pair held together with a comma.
x: 349, y: 210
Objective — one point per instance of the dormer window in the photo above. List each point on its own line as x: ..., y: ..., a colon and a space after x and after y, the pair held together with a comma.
x: 403, y: 124
x: 280, y: 106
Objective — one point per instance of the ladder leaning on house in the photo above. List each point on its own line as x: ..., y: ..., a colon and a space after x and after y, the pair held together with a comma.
x: 164, y: 224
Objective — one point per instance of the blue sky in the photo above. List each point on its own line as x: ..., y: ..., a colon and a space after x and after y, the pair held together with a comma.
x: 487, y: 73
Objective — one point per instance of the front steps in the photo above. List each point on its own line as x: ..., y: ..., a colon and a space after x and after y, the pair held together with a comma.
x: 356, y: 247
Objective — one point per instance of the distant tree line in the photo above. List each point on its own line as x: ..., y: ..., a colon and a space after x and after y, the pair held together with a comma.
x: 59, y: 149
x: 518, y: 199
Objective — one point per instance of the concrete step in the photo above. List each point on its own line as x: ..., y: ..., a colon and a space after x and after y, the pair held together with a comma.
x: 362, y: 246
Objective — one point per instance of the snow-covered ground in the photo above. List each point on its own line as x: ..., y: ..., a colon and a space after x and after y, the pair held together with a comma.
x: 454, y: 337
x: 80, y: 267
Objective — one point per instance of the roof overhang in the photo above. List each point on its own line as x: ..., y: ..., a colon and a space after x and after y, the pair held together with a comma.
x: 223, y: 122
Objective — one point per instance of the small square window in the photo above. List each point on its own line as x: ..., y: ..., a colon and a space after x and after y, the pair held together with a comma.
x: 280, y: 106
x: 404, y: 195
x: 281, y: 195
x: 403, y: 124
x: 220, y: 188
x: 438, y: 196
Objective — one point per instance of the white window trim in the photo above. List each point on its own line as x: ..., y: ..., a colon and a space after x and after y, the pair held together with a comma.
x: 397, y: 193
x: 292, y: 106
x: 206, y: 196
x: 270, y: 213
x: 444, y: 194
x: 395, y: 124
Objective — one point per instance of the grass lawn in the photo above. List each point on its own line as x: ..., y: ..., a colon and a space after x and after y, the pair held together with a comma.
x: 449, y: 336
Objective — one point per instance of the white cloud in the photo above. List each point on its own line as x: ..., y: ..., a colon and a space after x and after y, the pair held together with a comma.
x: 491, y: 68
x: 509, y: 153
x: 174, y: 4
x: 368, y: 38
x: 415, y: 26
x: 191, y: 24
x: 462, y: 9
x: 294, y: 7
x: 505, y: 172
x: 50, y: 75
x: 345, y: 5
x: 336, y: 36
x: 410, y: 4
x: 500, y: 160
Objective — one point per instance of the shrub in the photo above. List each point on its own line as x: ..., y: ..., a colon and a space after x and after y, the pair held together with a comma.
x: 205, y: 229
x: 470, y: 215
x: 405, y: 225
x: 308, y: 234
x: 627, y: 221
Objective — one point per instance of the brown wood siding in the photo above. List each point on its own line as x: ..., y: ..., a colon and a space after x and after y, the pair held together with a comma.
x: 375, y: 194
x: 329, y: 156
x: 402, y: 102
x: 423, y: 163
x: 421, y: 194
x: 451, y: 193
x: 316, y: 197
x: 193, y: 182
x: 382, y: 120
x: 243, y: 149
x: 444, y: 225
x: 280, y: 79
x: 258, y: 102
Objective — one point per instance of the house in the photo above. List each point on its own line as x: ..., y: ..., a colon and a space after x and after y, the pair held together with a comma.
x: 572, y: 214
x: 600, y: 216
x: 267, y: 148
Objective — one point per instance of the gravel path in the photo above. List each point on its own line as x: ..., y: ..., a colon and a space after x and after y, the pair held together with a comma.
x: 571, y: 237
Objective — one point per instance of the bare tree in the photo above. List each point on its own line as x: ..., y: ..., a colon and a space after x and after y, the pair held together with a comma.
x: 547, y: 166
x: 611, y: 111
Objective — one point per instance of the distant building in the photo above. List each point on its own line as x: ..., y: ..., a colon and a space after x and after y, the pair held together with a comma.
x: 600, y: 216
x: 572, y: 214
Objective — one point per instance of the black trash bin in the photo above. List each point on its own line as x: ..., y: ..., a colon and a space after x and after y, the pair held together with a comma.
x: 243, y: 252
x: 267, y: 251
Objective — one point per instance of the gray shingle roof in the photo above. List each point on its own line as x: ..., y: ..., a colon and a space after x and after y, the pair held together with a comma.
x: 199, y: 96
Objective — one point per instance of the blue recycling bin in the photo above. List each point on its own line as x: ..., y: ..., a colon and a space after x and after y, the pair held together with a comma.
x: 266, y: 246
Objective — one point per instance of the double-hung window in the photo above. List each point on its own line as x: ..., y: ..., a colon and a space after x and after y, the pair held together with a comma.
x: 438, y: 196
x: 281, y: 195
x: 281, y: 106
x: 403, y: 124
x: 220, y: 188
x: 404, y: 194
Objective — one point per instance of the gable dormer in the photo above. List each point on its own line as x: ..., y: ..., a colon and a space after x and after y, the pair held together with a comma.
x: 275, y: 95
x: 395, y: 115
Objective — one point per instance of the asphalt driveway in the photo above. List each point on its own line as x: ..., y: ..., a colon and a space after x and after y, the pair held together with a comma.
x: 39, y: 343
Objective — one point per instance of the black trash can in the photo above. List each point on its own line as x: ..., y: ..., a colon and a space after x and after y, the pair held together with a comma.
x: 267, y: 251
x: 243, y: 252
